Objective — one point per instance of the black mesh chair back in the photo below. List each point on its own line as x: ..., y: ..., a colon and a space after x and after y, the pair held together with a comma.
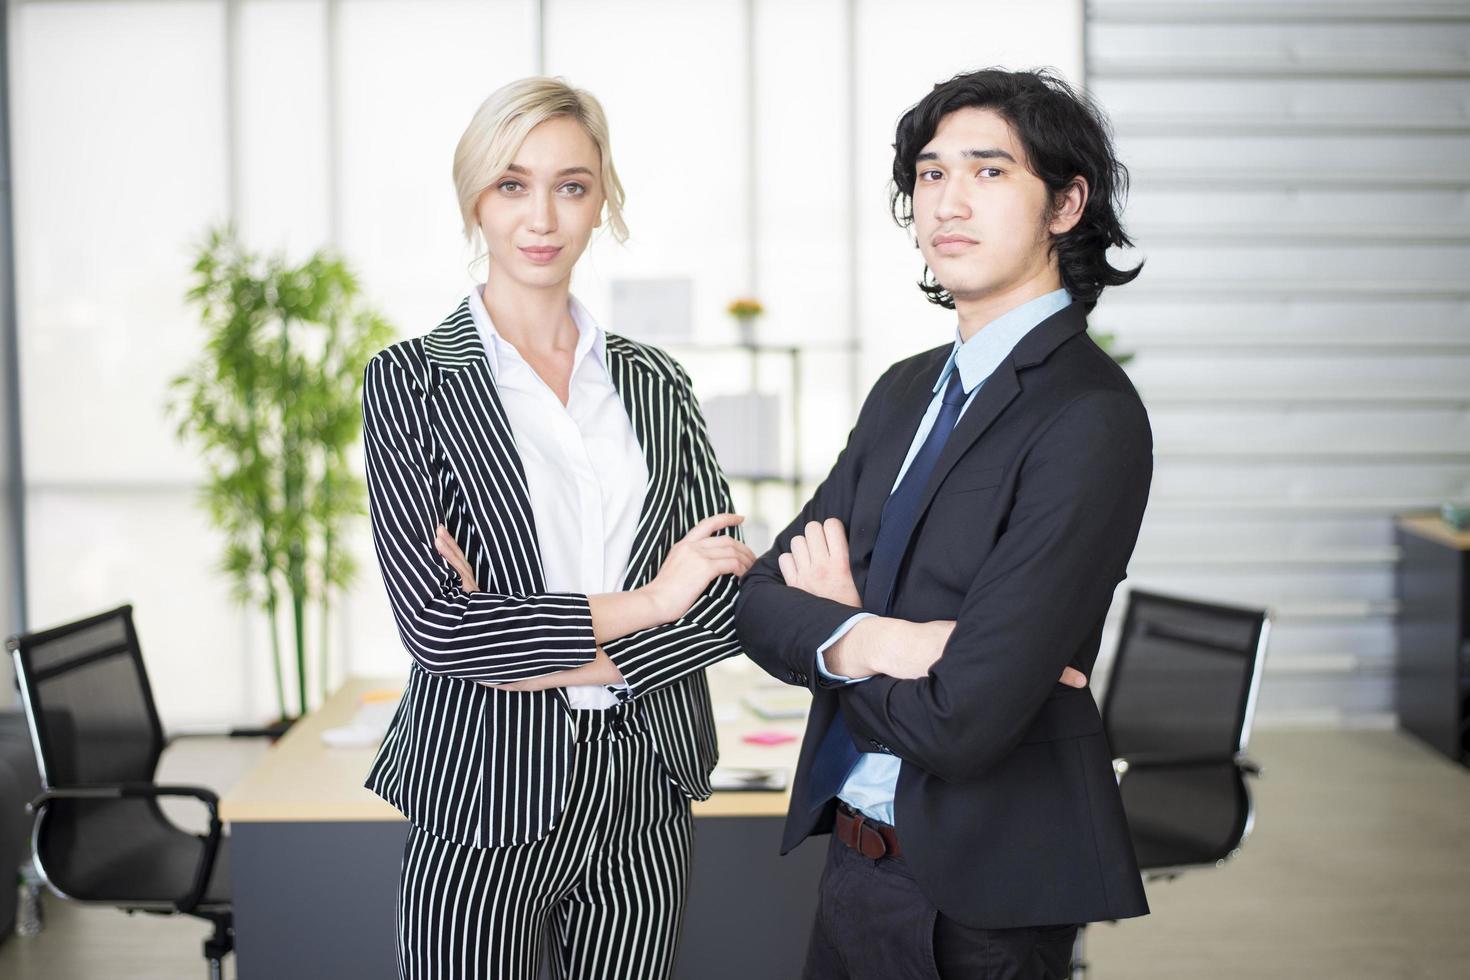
x: 88, y: 691
x: 1185, y: 679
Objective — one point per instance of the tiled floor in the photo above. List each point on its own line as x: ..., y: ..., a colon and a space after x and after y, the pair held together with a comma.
x: 1359, y: 869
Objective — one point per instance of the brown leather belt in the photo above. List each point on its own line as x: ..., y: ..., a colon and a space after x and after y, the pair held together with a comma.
x: 869, y: 837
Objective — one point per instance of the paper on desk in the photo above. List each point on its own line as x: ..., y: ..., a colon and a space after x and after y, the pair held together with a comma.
x: 366, y: 728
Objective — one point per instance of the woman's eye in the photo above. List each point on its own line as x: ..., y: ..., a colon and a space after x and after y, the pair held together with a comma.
x: 574, y: 189
x: 509, y: 186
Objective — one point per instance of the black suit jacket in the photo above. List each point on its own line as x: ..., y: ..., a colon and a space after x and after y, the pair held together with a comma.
x: 1007, y: 807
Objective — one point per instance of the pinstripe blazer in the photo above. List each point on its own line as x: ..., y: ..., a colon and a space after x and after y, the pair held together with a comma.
x: 485, y: 767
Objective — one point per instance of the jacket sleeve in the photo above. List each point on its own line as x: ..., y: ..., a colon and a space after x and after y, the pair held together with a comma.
x: 1043, y: 589
x: 660, y: 655
x: 781, y: 627
x: 476, y: 636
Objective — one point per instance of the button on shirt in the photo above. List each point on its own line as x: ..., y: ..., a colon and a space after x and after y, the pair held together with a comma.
x: 585, y: 470
x: 871, y: 785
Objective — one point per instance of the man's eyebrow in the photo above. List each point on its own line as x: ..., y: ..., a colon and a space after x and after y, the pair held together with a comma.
x: 994, y: 153
x: 513, y: 168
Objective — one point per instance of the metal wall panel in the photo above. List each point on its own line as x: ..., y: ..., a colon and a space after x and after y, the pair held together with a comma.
x: 1301, y: 193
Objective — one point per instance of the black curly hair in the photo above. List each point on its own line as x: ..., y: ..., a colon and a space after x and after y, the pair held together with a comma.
x: 1064, y: 135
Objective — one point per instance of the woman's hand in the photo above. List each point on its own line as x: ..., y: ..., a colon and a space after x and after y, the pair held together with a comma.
x: 448, y: 548
x: 600, y: 671
x: 693, y: 562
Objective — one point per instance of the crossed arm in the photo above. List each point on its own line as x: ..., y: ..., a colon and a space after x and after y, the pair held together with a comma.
x: 817, y: 563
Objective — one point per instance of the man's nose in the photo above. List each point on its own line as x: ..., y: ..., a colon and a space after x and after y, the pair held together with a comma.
x: 952, y: 202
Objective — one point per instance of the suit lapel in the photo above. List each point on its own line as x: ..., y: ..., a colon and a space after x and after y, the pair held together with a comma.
x: 651, y: 404
x: 890, y: 448
x: 997, y: 392
x: 478, y: 444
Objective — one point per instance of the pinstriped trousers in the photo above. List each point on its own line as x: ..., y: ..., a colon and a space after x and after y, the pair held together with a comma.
x: 606, y: 886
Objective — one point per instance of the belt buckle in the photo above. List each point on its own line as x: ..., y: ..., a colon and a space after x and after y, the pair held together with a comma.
x: 860, y: 824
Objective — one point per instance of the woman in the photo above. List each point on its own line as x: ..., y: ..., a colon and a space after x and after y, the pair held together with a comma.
x: 555, y: 538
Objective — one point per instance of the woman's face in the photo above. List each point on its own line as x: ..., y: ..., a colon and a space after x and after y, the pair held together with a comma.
x: 538, y: 215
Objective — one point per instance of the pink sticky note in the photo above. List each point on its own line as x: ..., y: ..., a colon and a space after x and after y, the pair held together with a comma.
x: 768, y: 738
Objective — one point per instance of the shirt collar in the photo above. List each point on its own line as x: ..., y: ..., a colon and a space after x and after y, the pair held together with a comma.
x: 979, y: 356
x: 590, y: 335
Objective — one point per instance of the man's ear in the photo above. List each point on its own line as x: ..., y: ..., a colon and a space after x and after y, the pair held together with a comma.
x: 1067, y: 206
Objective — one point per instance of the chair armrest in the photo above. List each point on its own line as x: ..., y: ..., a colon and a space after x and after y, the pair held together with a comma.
x: 1122, y: 765
x: 225, y: 731
x: 137, y: 791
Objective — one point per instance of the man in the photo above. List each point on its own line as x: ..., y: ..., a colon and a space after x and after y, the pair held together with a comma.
x: 993, y: 489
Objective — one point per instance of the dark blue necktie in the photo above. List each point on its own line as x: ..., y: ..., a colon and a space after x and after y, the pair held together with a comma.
x: 836, y: 756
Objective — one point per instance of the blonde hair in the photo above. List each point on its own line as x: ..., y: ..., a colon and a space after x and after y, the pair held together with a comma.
x: 501, y: 125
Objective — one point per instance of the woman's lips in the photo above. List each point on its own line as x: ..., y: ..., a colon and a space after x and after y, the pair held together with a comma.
x: 541, y: 254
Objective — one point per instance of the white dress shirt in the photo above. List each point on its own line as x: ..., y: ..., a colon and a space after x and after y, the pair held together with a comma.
x: 585, y: 470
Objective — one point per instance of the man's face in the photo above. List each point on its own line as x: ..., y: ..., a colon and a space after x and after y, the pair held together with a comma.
x: 980, y: 214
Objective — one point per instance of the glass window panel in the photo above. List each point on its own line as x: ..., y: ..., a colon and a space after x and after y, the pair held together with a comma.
x: 413, y: 74
x: 119, y: 168
x: 93, y: 549
x: 282, y: 140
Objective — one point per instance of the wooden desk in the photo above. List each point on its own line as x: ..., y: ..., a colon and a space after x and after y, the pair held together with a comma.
x: 1432, y: 666
x: 315, y: 855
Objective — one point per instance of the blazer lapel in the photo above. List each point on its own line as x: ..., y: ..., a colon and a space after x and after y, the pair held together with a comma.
x: 881, y: 468
x: 478, y: 444
x: 651, y: 403
x: 1000, y: 389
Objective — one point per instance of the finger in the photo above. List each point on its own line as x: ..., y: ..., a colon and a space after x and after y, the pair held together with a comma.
x: 1073, y: 678
x: 453, y: 546
x: 800, y: 554
x: 816, y: 542
x: 788, y: 568
x: 712, y: 524
x: 836, y: 536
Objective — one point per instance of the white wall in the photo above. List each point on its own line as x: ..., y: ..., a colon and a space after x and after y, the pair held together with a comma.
x: 137, y: 124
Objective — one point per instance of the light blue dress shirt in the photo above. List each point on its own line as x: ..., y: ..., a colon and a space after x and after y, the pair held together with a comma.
x: 871, y: 785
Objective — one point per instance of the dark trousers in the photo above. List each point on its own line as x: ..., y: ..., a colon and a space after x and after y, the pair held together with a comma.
x: 873, y: 923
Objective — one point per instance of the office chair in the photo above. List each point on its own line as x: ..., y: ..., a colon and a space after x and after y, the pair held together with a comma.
x: 100, y: 836
x: 1178, y: 713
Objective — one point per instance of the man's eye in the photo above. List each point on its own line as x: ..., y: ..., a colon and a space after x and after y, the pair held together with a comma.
x: 930, y: 175
x: 991, y: 172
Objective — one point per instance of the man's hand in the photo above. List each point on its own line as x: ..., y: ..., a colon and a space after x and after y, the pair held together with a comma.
x: 818, y: 563
x: 893, y: 647
x: 900, y: 649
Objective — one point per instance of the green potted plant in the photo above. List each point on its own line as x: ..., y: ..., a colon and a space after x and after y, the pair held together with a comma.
x: 272, y: 404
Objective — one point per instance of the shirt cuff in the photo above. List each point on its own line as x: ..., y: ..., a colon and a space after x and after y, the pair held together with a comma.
x: 838, y: 634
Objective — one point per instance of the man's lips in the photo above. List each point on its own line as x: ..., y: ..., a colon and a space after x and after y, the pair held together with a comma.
x: 949, y: 244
